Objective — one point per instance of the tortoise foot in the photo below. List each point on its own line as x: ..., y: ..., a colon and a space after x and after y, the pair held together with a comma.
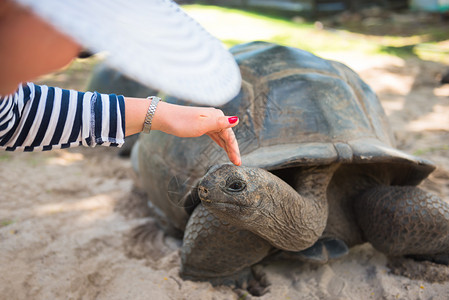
x: 256, y: 285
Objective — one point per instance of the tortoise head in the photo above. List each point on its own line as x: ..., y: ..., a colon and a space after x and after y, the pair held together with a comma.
x: 258, y: 201
x: 236, y: 192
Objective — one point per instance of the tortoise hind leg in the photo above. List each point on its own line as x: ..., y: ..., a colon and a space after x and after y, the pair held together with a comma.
x: 215, y: 251
x: 405, y: 220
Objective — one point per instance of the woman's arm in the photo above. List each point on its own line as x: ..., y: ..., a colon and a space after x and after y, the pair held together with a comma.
x: 44, y: 118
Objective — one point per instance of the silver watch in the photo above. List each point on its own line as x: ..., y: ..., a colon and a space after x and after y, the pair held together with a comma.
x: 150, y: 113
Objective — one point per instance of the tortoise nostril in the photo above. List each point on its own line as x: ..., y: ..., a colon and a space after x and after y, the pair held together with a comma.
x: 202, y: 192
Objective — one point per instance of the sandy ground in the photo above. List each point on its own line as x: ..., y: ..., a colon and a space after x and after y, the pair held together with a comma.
x: 66, y: 217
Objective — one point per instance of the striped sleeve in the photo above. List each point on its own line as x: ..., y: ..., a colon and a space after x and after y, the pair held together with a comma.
x: 44, y: 118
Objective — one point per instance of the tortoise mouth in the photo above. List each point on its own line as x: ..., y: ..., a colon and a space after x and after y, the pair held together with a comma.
x: 232, y: 211
x: 222, y: 204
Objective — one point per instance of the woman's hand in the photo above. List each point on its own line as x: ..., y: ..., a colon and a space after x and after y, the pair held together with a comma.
x: 186, y: 121
x: 189, y: 121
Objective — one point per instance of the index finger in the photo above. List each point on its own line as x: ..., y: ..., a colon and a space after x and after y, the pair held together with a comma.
x: 226, y: 139
x: 232, y: 147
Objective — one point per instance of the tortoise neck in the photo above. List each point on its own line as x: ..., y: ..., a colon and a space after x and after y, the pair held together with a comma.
x: 311, y: 183
x: 299, y: 214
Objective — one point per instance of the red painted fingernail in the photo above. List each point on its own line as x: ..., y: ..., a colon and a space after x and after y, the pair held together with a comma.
x: 232, y: 120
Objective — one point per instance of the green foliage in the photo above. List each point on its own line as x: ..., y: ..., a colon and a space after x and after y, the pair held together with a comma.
x: 234, y: 26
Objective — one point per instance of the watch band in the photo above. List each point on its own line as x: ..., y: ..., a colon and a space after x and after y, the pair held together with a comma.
x: 150, y: 113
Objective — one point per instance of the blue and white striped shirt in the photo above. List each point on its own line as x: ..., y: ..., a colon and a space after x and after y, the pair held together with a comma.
x: 44, y: 118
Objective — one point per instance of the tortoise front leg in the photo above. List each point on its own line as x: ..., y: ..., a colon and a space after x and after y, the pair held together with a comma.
x: 215, y: 251
x: 405, y: 220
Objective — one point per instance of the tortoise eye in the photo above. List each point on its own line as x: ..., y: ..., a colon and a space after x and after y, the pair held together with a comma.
x: 235, y: 186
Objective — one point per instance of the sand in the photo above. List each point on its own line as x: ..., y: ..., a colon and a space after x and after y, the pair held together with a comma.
x: 68, y: 218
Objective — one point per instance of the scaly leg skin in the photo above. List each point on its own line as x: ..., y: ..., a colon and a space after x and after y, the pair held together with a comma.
x: 405, y: 221
x: 215, y: 251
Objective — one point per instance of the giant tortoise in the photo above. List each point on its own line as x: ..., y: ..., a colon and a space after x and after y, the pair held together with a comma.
x: 320, y: 174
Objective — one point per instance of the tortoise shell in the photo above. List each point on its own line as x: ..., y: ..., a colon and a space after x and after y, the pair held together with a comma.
x: 295, y: 109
